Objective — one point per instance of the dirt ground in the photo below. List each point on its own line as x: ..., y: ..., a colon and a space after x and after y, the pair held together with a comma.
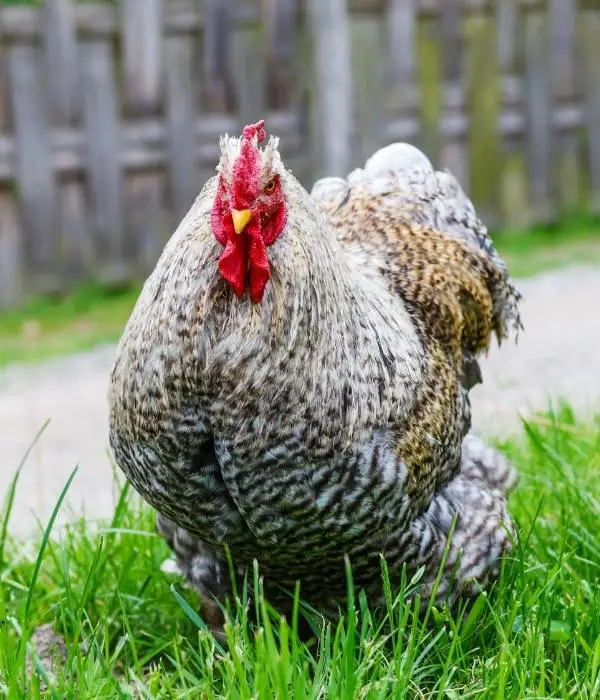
x: 558, y: 355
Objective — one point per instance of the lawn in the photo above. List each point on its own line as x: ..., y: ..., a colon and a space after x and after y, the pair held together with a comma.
x: 92, y: 315
x: 130, y: 629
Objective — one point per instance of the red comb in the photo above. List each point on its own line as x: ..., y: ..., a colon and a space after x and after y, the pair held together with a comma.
x: 247, y: 166
x: 254, y: 131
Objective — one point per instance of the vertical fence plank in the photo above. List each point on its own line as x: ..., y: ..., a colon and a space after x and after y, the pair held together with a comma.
x: 454, y: 154
x: 279, y: 18
x: 403, y: 94
x: 11, y: 268
x: 285, y: 73
x: 62, y: 73
x: 567, y: 169
x: 36, y: 189
x: 429, y: 61
x: 11, y: 260
x: 514, y: 184
x: 181, y: 122
x: 248, y: 66
x: 590, y: 43
x: 519, y: 59
x: 367, y: 39
x: 538, y: 107
x: 104, y: 155
x: 217, y: 83
x: 331, y: 118
x: 302, y: 67
x: 63, y: 97
x: 142, y: 60
x: 142, y: 55
x: 4, y: 85
x: 482, y: 87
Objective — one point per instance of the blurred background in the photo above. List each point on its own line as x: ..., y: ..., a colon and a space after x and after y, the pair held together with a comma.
x: 110, y: 114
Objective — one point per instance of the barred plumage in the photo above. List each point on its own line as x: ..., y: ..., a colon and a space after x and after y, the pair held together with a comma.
x: 331, y: 418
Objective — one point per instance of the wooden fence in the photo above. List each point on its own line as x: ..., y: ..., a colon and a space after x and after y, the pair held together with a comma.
x: 110, y: 111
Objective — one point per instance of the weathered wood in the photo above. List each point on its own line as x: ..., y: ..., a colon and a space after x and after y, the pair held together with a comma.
x: 4, y: 88
x: 141, y: 29
x: 37, y: 196
x: 331, y: 120
x: 217, y: 78
x: 183, y: 170
x: 142, y: 32
x: 429, y: 62
x: 367, y: 38
x: 453, y: 155
x: 144, y: 144
x: 63, y: 97
x: 302, y: 106
x: 507, y: 23
x: 566, y: 167
x: 279, y: 22
x: 103, y: 166
x: 483, y: 107
x: 452, y: 48
x: 513, y: 182
x: 76, y: 233
x: 403, y: 95
x: 62, y: 70
x: 100, y: 19
x: 11, y: 260
x: 133, y: 96
x: 590, y: 43
x: 537, y: 108
x: 249, y: 68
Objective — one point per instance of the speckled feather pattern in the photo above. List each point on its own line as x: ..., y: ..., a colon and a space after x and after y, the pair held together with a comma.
x: 330, y: 419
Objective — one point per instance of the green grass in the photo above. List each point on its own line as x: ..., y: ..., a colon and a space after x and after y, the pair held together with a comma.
x: 131, y: 630
x: 47, y: 327
x: 92, y: 315
x: 546, y: 248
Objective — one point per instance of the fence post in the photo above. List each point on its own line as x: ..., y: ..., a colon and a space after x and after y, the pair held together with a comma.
x: 403, y: 98
x: 590, y: 35
x: 104, y: 158
x: 11, y: 244
x: 181, y: 115
x: 513, y: 182
x: 63, y: 97
x: 538, y: 108
x: 142, y: 24
x: 35, y: 178
x: 332, y: 92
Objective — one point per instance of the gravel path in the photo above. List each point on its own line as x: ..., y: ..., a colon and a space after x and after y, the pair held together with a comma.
x: 558, y: 355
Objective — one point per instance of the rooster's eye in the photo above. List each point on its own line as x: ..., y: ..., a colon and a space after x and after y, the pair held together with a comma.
x: 270, y: 186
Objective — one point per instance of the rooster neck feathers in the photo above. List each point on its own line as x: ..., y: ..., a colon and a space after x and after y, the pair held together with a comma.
x: 325, y: 323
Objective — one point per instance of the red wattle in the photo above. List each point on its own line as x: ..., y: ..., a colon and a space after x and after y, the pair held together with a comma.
x: 245, y: 255
x: 259, y: 267
x: 232, y: 263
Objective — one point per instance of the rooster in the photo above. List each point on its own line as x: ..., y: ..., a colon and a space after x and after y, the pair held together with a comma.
x: 293, y: 381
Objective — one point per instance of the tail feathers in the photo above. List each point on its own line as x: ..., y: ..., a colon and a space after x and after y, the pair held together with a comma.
x: 431, y: 199
x: 483, y: 533
x: 438, y: 199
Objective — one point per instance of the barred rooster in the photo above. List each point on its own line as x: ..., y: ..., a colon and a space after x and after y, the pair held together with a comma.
x: 293, y: 381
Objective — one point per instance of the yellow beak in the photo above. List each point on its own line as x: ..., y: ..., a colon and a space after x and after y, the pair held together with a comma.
x: 240, y: 217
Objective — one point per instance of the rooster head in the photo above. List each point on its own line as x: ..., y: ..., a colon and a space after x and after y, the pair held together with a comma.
x: 249, y: 211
